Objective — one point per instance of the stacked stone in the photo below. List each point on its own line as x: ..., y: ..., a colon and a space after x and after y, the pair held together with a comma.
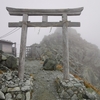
x: 12, y: 88
x: 73, y: 89
x: 7, y: 62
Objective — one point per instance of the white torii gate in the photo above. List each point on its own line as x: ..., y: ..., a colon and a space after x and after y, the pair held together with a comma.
x: 45, y: 13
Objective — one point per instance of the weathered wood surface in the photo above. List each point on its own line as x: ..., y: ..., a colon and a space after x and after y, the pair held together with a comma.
x: 23, y: 47
x: 45, y: 24
x: 39, y: 12
x: 44, y: 18
x: 65, y: 48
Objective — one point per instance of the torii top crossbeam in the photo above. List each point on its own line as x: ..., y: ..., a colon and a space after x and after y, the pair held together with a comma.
x: 48, y: 12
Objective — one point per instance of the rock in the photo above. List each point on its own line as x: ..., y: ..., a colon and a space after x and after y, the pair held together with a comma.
x: 19, y: 96
x: 77, y: 84
x: 65, y: 95
x: 12, y: 90
x: 11, y: 62
x: 73, y: 90
x: 2, y: 97
x: 8, y: 76
x: 27, y: 83
x: 90, y: 96
x: 28, y: 96
x: 70, y: 92
x: 25, y: 88
x: 16, y: 89
x: 8, y: 96
x: 74, y: 97
x: 4, y: 89
x: 23, y: 96
x: 4, y: 57
x: 49, y: 64
x: 4, y: 68
x: 12, y: 85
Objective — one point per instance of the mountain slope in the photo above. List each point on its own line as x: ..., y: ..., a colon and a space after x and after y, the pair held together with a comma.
x: 84, y: 56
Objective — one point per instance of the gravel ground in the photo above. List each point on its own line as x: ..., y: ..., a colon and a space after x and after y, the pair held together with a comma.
x: 44, y: 87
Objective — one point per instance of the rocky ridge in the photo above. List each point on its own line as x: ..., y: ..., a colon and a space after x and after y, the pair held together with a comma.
x: 84, y: 56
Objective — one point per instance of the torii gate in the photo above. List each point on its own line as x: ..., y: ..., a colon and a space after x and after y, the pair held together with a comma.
x: 45, y: 13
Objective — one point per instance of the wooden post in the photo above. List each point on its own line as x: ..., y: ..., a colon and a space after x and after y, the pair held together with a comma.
x: 23, y: 47
x: 65, y: 47
x: 44, y: 18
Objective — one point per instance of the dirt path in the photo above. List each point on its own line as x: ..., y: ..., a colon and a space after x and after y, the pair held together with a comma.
x: 44, y: 88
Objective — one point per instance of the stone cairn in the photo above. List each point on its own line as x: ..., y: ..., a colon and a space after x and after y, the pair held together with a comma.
x: 73, y: 89
x: 12, y: 88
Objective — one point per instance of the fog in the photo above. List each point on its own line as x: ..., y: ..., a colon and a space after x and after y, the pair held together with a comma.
x: 89, y: 19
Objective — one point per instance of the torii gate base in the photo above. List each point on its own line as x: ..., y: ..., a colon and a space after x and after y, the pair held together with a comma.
x: 45, y: 13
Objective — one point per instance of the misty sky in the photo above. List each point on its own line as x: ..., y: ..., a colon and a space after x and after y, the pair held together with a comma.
x: 90, y: 22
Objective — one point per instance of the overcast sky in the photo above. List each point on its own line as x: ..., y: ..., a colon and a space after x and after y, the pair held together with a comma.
x: 90, y: 18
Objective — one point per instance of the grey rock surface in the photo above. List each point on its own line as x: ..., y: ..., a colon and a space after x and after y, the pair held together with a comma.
x: 7, y: 61
x: 2, y: 97
x: 84, y: 56
x: 8, y: 96
x: 44, y: 84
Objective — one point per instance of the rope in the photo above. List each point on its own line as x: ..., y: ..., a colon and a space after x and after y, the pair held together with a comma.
x: 50, y: 30
x: 39, y: 31
x: 9, y: 33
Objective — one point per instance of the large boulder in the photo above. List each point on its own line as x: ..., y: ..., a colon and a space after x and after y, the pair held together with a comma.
x: 11, y: 62
x: 7, y: 61
x: 49, y: 64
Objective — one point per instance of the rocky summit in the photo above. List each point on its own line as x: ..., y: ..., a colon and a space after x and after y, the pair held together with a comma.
x: 84, y: 56
x: 43, y: 77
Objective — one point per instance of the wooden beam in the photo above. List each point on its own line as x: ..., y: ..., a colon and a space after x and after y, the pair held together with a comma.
x: 40, y: 12
x: 44, y: 18
x: 45, y: 24
x: 23, y: 47
x: 65, y: 48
